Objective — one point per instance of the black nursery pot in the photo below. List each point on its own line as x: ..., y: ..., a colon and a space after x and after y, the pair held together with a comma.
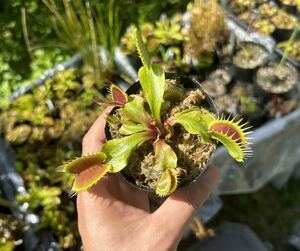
x: 283, y: 34
x: 265, y: 90
x: 187, y: 83
x: 291, y: 9
x: 245, y: 73
x: 258, y: 117
x: 242, y: 74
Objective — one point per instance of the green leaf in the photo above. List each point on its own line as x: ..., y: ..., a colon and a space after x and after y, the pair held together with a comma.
x: 129, y: 128
x: 134, y: 111
x: 153, y: 84
x: 119, y: 150
x: 194, y: 121
x: 167, y: 183
x: 233, y: 148
x: 142, y: 51
x: 165, y: 157
x: 7, y: 246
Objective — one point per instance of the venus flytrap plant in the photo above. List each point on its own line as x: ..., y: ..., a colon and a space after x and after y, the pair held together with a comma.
x: 144, y: 121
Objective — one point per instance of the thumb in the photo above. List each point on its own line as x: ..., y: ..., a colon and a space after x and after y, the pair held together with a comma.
x: 179, y: 209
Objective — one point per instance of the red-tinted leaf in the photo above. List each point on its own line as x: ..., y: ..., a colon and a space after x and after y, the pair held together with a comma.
x: 89, y: 177
x: 118, y: 96
x: 81, y: 164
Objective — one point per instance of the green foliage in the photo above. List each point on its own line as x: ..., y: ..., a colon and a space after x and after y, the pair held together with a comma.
x: 135, y: 111
x: 10, y: 231
x: 165, y: 32
x: 47, y: 197
x: 111, y: 18
x: 206, y: 31
x: 289, y: 44
x: 48, y: 200
x: 176, y: 45
x: 141, y: 127
x: 153, y: 82
x: 7, y: 246
x: 13, y: 48
x: 83, y: 26
x: 44, y: 129
x: 152, y: 79
x: 11, y: 81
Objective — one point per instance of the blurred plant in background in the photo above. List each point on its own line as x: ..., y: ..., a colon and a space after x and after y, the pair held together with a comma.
x: 165, y: 32
x: 10, y: 230
x: 49, y: 42
x: 91, y: 28
x: 205, y: 32
x: 51, y: 121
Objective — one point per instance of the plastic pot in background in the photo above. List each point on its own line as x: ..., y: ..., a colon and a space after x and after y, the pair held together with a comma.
x: 227, y: 105
x: 221, y: 75
x: 188, y: 83
x: 281, y: 34
x: 252, y: 109
x: 248, y: 57
x: 276, y: 78
x: 213, y: 88
x: 289, y: 7
x: 285, y: 24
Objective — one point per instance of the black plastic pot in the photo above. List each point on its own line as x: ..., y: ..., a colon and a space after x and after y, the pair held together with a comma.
x: 246, y: 74
x: 221, y: 75
x: 258, y: 117
x: 283, y: 34
x: 291, y: 9
x: 263, y: 91
x: 242, y: 74
x: 188, y: 83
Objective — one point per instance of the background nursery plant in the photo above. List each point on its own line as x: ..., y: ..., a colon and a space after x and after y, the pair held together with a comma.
x: 152, y: 129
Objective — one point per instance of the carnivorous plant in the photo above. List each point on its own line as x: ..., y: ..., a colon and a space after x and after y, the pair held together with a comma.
x: 142, y: 120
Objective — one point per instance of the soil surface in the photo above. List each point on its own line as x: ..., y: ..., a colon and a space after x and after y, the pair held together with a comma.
x: 250, y: 56
x: 276, y: 79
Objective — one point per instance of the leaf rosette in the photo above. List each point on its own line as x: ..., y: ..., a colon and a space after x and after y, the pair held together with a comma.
x: 161, y: 144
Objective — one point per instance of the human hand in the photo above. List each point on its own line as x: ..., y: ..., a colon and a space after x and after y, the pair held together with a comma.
x: 112, y: 215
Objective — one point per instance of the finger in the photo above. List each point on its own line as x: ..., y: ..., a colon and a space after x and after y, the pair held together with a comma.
x: 95, y: 137
x: 184, y: 203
